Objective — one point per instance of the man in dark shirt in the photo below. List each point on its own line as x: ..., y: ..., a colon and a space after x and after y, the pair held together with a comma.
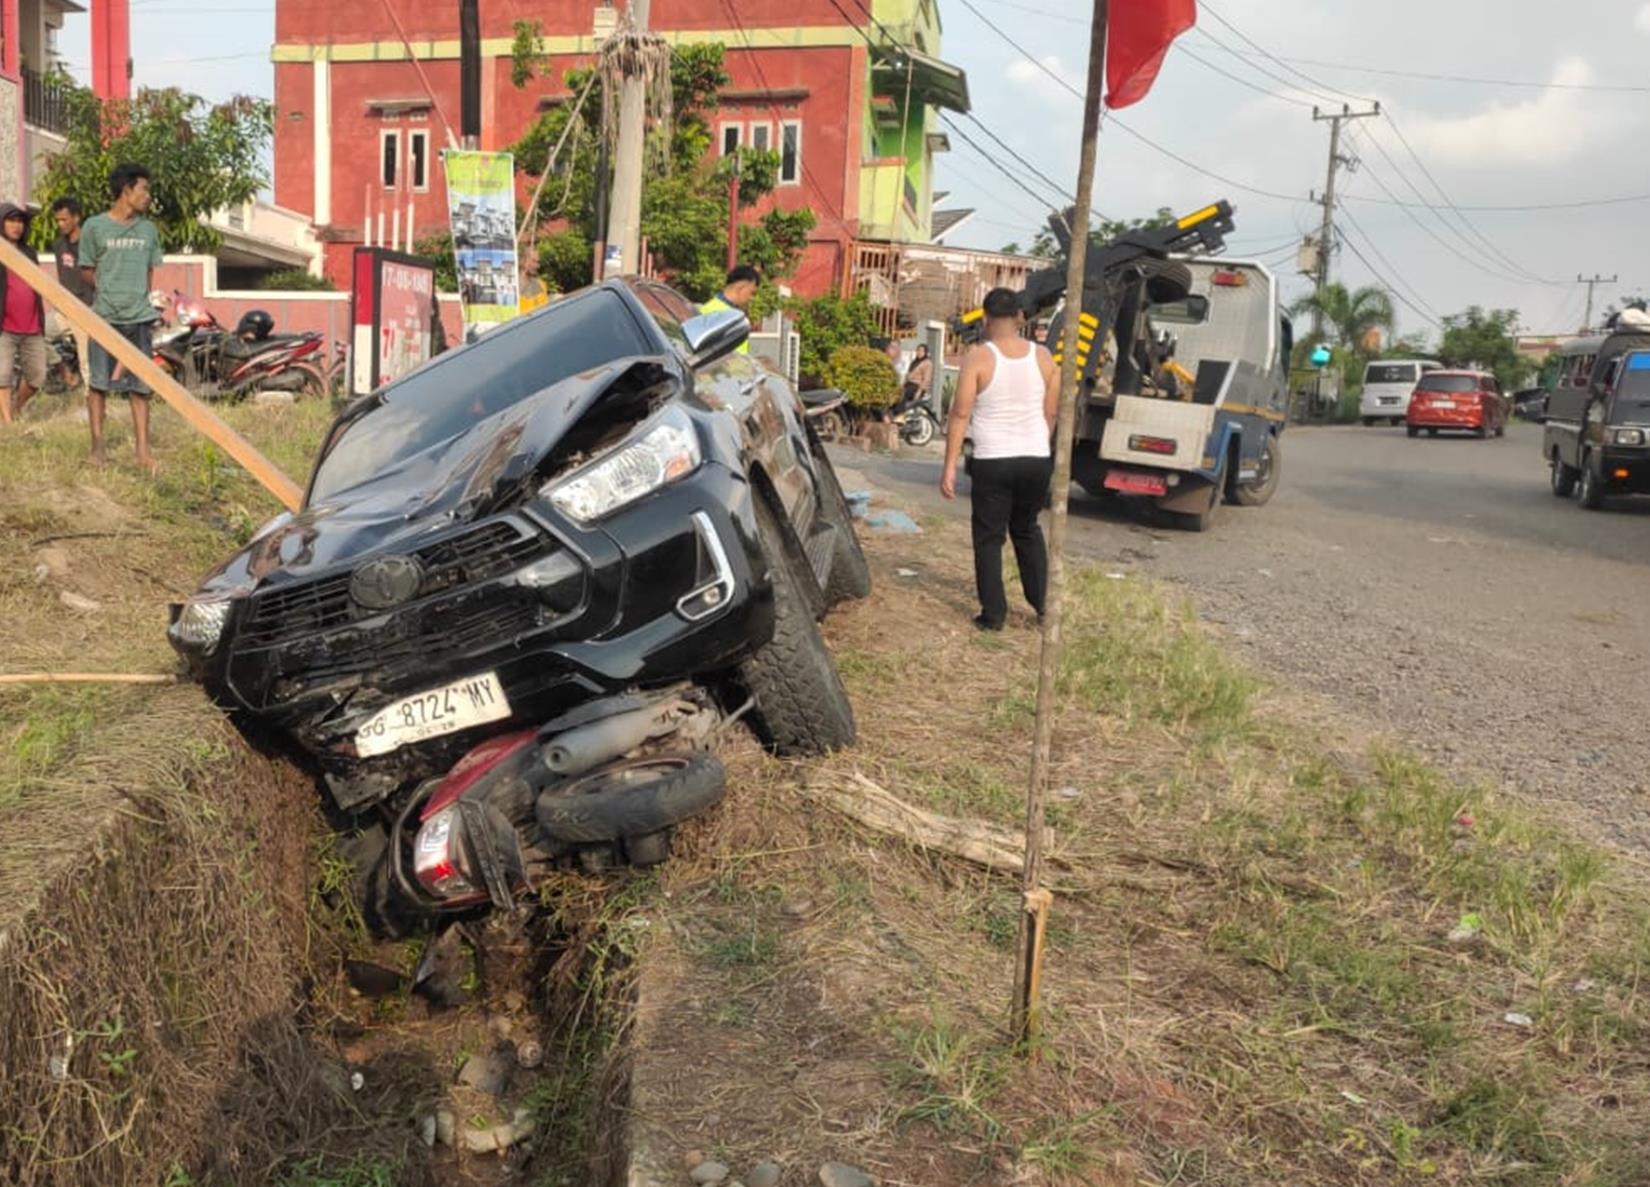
x: 67, y: 213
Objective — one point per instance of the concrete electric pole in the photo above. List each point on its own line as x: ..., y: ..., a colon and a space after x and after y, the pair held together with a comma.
x: 1326, y: 234
x: 1594, y: 282
x: 624, y: 224
x: 469, y: 73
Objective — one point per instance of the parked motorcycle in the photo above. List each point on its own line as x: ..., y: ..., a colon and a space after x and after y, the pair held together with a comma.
x: 217, y: 364
x: 827, y: 408
x: 918, y: 423
x: 62, y: 365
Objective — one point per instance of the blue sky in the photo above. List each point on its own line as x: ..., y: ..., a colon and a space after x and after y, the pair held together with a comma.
x: 1483, y: 144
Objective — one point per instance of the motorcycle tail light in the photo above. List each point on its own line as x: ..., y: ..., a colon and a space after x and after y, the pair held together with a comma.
x: 1143, y: 444
x: 439, y: 862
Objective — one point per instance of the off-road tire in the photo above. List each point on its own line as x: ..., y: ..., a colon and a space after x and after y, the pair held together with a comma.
x: 850, y: 577
x: 1258, y: 492
x: 611, y: 803
x: 801, y: 706
x: 1166, y: 280
x: 1563, y: 478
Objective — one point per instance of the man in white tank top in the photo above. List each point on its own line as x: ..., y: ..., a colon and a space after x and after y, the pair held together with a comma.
x: 1006, y: 397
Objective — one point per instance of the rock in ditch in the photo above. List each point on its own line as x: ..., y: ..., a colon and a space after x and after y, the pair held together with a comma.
x: 708, y: 1173
x: 499, y: 1138
x: 840, y: 1174
x: 489, y: 1073
x: 446, y: 1127
x: 764, y: 1174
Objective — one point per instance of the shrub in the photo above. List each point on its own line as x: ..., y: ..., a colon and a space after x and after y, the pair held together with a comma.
x: 828, y: 323
x: 295, y: 280
x: 865, y: 376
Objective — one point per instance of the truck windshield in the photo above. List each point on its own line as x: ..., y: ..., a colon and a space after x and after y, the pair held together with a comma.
x: 447, y: 396
x: 1449, y: 383
x: 1391, y: 373
x: 1633, y: 388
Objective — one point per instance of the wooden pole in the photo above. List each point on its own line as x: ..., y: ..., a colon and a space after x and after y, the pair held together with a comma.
x: 733, y: 213
x: 198, y: 415
x: 1034, y: 912
x: 624, y: 221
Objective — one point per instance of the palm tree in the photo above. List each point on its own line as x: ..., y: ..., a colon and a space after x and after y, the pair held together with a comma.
x: 1348, y: 317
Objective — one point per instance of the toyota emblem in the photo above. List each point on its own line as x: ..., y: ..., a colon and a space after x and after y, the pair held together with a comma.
x: 385, y: 582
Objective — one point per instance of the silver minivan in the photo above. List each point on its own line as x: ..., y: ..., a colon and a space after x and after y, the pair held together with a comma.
x: 1388, y: 384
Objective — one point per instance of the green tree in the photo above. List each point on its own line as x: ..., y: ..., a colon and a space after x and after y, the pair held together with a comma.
x: 867, y: 377
x: 827, y: 324
x: 1483, y: 339
x: 684, y: 209
x: 1348, y: 315
x: 202, y: 157
x: 438, y: 249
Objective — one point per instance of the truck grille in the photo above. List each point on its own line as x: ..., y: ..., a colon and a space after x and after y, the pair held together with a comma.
x: 480, y: 554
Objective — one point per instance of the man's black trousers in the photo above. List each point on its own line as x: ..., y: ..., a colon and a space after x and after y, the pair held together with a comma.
x: 1008, y: 495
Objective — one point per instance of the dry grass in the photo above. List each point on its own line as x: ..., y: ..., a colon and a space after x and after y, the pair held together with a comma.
x: 1249, y: 982
x: 149, y: 942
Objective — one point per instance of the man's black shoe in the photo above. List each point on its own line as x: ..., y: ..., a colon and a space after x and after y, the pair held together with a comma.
x: 985, y: 624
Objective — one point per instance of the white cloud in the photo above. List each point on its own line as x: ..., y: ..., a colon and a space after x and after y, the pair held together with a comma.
x: 1553, y: 126
x: 1037, y: 78
x: 1641, y: 22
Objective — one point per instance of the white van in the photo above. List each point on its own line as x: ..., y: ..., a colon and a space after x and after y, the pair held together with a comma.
x: 1388, y: 384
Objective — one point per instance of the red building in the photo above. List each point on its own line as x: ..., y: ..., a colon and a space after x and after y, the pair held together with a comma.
x: 365, y: 95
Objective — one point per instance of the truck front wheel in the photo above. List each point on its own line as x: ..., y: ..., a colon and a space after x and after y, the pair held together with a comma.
x: 1564, y: 478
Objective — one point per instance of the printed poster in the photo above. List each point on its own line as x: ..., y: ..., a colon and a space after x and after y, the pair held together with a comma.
x: 392, y: 311
x: 481, y: 203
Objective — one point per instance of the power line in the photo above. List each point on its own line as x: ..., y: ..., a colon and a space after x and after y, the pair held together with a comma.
x: 1370, y: 242
x: 1322, y: 86
x: 1455, y: 78
x: 1390, y: 287
x: 986, y: 156
x: 1243, y: 82
x: 1465, y: 222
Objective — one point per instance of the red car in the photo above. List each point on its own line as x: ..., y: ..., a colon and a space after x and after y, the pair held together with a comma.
x: 1464, y: 401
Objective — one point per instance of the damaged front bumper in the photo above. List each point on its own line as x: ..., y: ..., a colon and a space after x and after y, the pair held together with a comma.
x: 557, y: 613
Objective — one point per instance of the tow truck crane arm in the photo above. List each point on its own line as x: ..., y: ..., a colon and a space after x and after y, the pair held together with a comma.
x: 1202, y: 232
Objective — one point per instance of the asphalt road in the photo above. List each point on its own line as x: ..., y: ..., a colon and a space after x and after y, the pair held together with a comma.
x: 1433, y: 589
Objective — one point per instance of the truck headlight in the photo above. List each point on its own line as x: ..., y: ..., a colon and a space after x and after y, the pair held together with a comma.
x: 662, y: 450
x: 1629, y: 436
x: 200, y: 624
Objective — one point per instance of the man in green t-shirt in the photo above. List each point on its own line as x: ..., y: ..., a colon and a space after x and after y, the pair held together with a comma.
x: 118, y: 255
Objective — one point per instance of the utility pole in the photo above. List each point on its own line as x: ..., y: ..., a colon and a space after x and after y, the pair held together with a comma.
x: 1594, y: 282
x: 733, y: 212
x: 1028, y: 952
x: 469, y: 73
x: 624, y: 224
x: 1326, y: 234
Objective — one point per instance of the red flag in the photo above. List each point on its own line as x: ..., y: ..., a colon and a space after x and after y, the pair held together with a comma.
x: 1139, y: 36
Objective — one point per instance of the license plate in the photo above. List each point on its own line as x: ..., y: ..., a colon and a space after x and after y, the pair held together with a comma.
x: 1135, y: 483
x: 1443, y: 403
x: 459, y: 705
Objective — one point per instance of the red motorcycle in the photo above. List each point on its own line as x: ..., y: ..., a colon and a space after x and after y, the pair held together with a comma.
x: 217, y: 364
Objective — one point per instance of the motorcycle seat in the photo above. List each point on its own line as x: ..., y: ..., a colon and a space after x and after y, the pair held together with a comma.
x: 819, y: 395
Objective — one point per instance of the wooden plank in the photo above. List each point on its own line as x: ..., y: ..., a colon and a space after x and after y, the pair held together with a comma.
x: 197, y: 414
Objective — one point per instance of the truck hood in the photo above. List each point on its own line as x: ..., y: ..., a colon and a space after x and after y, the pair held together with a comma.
x: 451, y: 482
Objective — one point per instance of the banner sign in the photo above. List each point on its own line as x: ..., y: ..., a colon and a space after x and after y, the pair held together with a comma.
x: 392, y: 314
x: 481, y: 202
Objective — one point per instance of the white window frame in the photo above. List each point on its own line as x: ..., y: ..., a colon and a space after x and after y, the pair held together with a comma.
x: 750, y: 134
x: 385, y: 136
x: 722, y: 130
x: 779, y: 145
x: 413, y: 183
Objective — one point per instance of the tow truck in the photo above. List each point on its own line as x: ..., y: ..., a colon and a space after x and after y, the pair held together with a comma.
x: 1182, y: 365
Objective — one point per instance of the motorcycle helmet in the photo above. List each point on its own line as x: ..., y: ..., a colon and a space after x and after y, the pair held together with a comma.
x: 255, y: 325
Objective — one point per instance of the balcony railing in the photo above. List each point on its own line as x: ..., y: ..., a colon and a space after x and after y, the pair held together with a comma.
x: 45, y: 102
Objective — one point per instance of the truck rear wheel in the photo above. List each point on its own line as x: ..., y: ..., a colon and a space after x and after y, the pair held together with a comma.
x: 1268, y: 470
